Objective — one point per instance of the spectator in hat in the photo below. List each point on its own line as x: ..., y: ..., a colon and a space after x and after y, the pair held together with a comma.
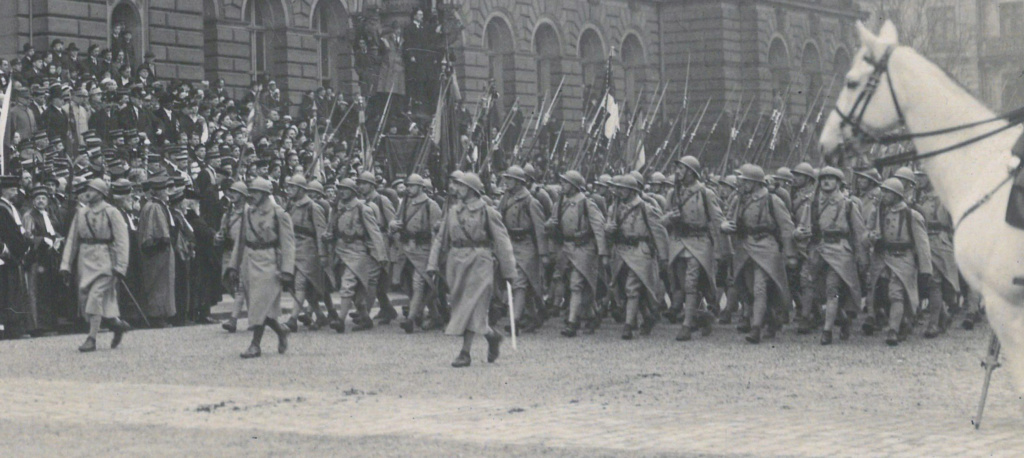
x: 42, y: 261
x: 22, y: 119
x: 55, y: 120
x: 156, y: 228
x: 149, y: 63
x: 79, y: 112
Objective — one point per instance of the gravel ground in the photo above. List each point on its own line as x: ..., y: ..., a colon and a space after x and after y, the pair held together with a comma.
x: 718, y: 375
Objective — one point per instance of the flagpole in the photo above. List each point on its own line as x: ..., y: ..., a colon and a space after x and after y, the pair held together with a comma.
x: 4, y: 111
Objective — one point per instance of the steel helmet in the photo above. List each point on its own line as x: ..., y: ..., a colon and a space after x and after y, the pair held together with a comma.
x: 576, y: 179
x: 638, y: 177
x: 832, y: 172
x: 315, y: 187
x: 297, y: 180
x: 691, y: 163
x: 530, y: 171
x: 240, y: 187
x: 904, y: 173
x: 871, y: 174
x: 730, y: 181
x: 804, y: 169
x: 604, y: 180
x: 99, y: 186
x: 415, y: 180
x: 784, y: 174
x: 516, y: 173
x: 627, y: 182
x: 261, y: 185
x: 658, y: 178
x: 367, y: 177
x: 473, y: 181
x: 894, y: 185
x: 751, y: 172
x: 349, y: 184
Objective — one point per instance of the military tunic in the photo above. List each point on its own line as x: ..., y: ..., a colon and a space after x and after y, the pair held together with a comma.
x: 837, y: 229
x: 524, y: 219
x: 579, y: 224
x: 764, y: 238
x: 264, y: 248
x: 472, y: 238
x: 639, y: 242
x: 939, y: 224
x: 359, y: 248
x: 416, y: 218
x: 902, y: 252
x: 693, y: 219
x: 96, y: 250
x: 310, y: 224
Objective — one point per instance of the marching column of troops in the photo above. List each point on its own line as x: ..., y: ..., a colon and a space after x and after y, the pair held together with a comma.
x: 799, y: 246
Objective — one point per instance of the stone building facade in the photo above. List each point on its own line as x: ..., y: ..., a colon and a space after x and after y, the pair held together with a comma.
x: 1001, y: 53
x: 734, y: 49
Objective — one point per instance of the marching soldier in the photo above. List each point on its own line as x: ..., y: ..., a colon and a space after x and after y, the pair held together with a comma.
x: 523, y: 217
x: 385, y: 211
x: 413, y: 228
x: 578, y: 224
x: 763, y: 250
x: 723, y: 277
x: 309, y: 222
x: 804, y: 184
x: 945, y: 281
x: 835, y: 228
x: 263, y: 264
x: 318, y: 194
x: 230, y: 228
x: 640, y: 251
x: 156, y: 228
x: 472, y: 238
x: 693, y: 219
x: 359, y: 255
x: 97, y: 252
x: 903, y: 258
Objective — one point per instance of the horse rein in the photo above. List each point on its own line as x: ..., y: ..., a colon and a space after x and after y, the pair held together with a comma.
x: 854, y: 118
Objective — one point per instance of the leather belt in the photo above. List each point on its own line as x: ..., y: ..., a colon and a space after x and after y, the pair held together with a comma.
x: 89, y: 241
x: 260, y: 245
x: 470, y: 244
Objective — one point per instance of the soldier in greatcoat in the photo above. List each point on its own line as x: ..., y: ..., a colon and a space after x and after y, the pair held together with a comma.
x: 359, y: 254
x: 96, y: 254
x: 945, y: 284
x: 834, y: 227
x: 903, y: 259
x: 156, y: 232
x: 577, y: 224
x: 385, y: 212
x: 317, y: 193
x: 727, y: 195
x: 230, y: 228
x: 524, y: 219
x: 413, y: 228
x: 639, y: 252
x: 803, y: 186
x: 471, y: 239
x: 763, y: 250
x: 263, y: 264
x: 310, y: 225
x: 693, y: 219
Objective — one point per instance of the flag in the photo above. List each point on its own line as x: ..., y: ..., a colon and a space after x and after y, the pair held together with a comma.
x: 4, y: 111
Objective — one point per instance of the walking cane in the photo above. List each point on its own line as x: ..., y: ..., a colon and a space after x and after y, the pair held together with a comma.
x: 511, y: 314
x: 132, y: 297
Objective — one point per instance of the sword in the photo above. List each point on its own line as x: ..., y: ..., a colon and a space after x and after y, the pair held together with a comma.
x: 511, y: 314
x: 990, y: 363
x: 132, y: 297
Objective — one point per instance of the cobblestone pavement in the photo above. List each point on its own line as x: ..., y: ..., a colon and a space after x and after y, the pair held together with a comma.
x: 185, y: 391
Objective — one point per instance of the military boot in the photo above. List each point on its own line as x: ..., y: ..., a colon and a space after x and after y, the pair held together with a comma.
x: 755, y: 335
x: 627, y: 332
x: 462, y: 360
x: 120, y: 328
x: 826, y: 337
x: 493, y: 346
x: 231, y: 325
x: 293, y: 324
x: 570, y: 329
x: 685, y: 334
x: 408, y: 325
x: 891, y: 338
x: 88, y: 346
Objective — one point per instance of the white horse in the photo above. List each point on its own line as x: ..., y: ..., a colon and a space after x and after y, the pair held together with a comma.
x: 990, y: 253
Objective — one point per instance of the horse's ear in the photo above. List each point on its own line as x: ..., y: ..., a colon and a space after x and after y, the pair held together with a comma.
x: 867, y: 38
x: 888, y: 35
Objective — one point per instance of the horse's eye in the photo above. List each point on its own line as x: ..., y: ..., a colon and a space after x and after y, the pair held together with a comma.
x: 851, y: 84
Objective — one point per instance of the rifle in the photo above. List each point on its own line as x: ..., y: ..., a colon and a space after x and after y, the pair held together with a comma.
x: 990, y: 363
x: 664, y: 144
x: 737, y: 123
x: 821, y: 112
x: 714, y: 127
x: 684, y: 142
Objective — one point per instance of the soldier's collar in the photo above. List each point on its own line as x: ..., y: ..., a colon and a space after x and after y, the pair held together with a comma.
x: 474, y: 203
x: 420, y: 198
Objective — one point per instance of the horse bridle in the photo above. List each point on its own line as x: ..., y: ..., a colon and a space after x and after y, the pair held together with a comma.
x: 855, y: 117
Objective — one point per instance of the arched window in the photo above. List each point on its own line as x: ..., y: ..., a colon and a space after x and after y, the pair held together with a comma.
x: 500, y: 47
x: 778, y: 63
x: 811, y: 66
x: 266, y: 20
x: 330, y: 24
x: 634, y: 68
x: 549, y: 64
x: 127, y: 18
x: 591, y: 56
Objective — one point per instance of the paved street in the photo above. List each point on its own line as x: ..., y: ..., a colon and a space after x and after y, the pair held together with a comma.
x: 185, y: 391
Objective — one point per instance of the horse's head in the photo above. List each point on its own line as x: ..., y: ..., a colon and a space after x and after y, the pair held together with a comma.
x: 865, y: 106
